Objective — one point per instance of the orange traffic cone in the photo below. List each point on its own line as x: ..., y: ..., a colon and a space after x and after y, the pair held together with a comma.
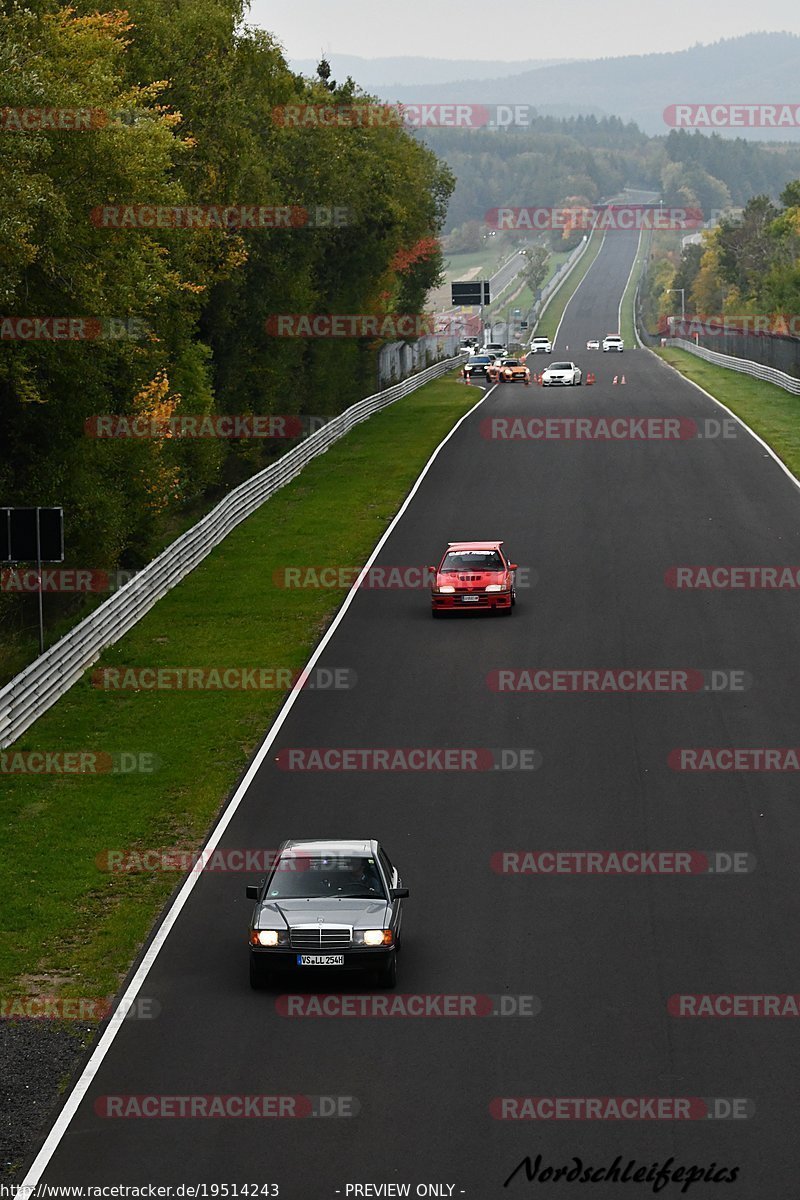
x: 590, y: 378
x: 614, y: 379
x: 623, y: 379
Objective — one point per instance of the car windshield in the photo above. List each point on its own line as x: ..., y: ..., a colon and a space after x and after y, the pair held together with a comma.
x: 315, y: 876
x: 512, y: 362
x: 560, y: 367
x: 481, y: 358
x: 472, y: 560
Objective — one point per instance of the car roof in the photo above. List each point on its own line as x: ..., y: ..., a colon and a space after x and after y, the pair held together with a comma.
x: 333, y: 846
x: 474, y: 545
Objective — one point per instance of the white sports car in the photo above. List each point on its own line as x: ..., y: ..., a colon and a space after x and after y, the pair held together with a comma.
x: 593, y: 344
x: 562, y: 374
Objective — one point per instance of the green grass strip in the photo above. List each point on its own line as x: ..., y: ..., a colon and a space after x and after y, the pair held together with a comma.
x: 627, y: 330
x: 66, y: 925
x: 770, y: 412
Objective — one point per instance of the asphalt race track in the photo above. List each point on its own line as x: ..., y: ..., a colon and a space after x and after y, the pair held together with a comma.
x: 597, y: 524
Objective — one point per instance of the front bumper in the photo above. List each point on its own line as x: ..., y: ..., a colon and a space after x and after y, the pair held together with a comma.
x: 455, y: 602
x: 359, y: 958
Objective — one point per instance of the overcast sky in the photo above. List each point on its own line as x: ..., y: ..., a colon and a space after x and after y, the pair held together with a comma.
x: 472, y: 29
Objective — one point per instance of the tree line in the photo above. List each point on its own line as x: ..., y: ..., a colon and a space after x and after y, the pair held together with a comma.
x: 183, y: 105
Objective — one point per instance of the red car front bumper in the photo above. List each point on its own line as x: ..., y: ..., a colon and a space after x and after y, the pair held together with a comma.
x: 466, y: 601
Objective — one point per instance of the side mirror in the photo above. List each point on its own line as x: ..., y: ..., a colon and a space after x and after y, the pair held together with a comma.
x: 512, y: 566
x: 399, y: 893
x: 433, y: 570
x: 252, y: 891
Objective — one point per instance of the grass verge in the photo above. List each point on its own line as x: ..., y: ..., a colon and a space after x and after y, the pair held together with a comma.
x: 770, y: 412
x: 626, y: 324
x: 66, y: 926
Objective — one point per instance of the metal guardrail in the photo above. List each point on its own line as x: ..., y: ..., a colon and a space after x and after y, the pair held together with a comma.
x: 40, y: 685
x: 743, y: 365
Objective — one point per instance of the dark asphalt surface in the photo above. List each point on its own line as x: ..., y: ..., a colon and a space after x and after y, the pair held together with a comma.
x: 599, y: 523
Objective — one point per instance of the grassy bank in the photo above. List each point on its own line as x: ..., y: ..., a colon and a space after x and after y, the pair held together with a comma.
x: 70, y: 927
x: 770, y: 412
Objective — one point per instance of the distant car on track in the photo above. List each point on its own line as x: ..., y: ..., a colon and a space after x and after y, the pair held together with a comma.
x: 562, y: 374
x: 613, y: 341
x: 541, y: 345
x: 473, y: 575
x: 497, y: 349
x: 593, y: 344
x: 509, y: 370
x: 329, y: 904
x: 478, y: 364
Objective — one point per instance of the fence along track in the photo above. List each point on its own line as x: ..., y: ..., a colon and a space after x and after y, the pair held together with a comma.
x: 31, y: 693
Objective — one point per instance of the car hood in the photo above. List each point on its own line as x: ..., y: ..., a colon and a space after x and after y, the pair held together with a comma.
x: 361, y: 914
x: 479, y: 578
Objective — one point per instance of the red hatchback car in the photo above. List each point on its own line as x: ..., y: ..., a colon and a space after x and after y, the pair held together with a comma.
x: 473, y: 575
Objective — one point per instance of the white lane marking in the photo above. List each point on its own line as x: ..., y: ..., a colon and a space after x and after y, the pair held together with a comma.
x: 577, y: 289
x: 730, y: 411
x: 625, y: 289
x: 104, y: 1045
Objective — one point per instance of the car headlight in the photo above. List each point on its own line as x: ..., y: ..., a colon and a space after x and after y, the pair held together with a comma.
x: 264, y: 937
x: 494, y: 587
x: 446, y: 587
x: 377, y: 937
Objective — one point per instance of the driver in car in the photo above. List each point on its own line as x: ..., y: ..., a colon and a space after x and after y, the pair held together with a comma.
x: 361, y: 876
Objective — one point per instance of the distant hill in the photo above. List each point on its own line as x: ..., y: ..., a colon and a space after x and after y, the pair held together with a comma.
x: 374, y: 73
x: 760, y: 67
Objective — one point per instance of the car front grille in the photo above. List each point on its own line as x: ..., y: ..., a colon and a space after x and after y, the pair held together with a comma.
x: 320, y: 937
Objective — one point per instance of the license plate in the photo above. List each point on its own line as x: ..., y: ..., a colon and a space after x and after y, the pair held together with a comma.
x: 320, y: 960
x: 470, y: 599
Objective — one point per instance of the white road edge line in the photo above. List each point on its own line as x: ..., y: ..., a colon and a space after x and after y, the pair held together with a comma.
x: 725, y: 408
x: 104, y: 1045
x: 577, y: 289
x: 627, y: 285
